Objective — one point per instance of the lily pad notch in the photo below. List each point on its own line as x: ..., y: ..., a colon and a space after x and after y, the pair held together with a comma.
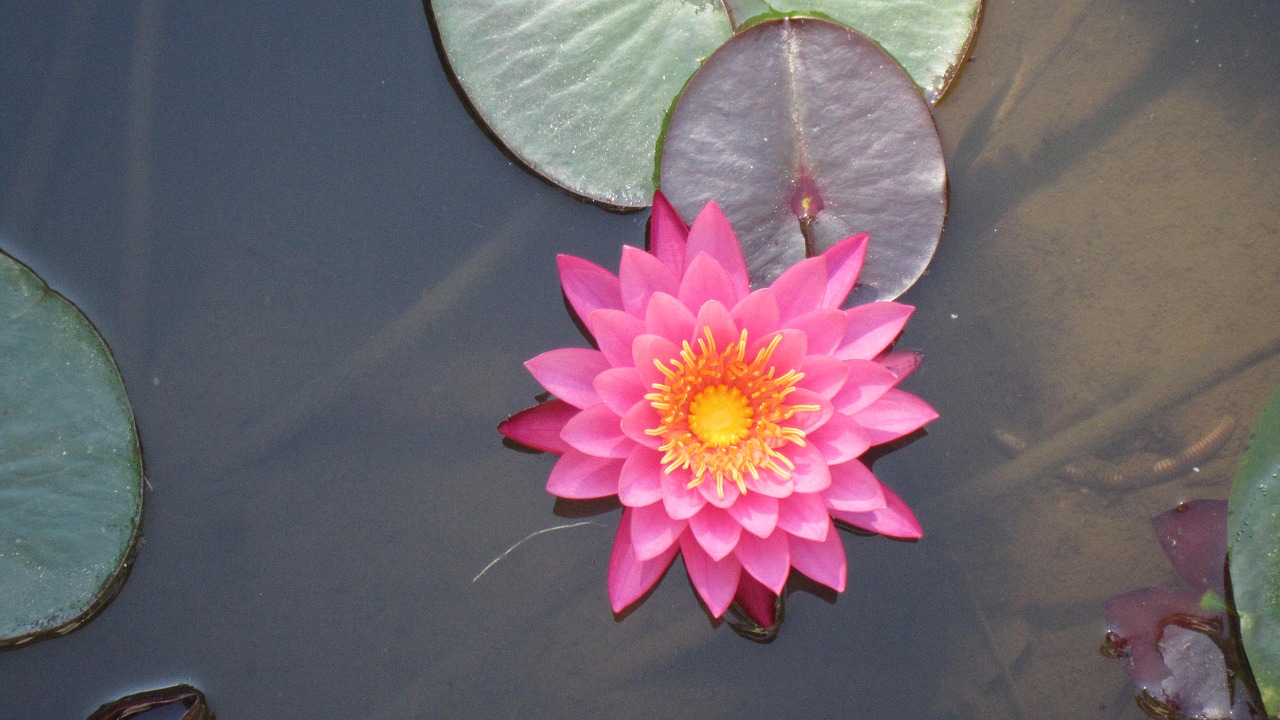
x: 71, y: 474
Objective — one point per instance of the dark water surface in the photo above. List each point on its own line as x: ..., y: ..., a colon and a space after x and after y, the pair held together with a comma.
x: 320, y: 278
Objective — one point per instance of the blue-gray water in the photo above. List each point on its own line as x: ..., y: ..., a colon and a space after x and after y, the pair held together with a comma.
x: 320, y: 278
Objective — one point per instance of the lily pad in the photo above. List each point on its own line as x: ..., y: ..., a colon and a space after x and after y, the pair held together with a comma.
x: 806, y: 132
x: 1254, y: 533
x: 577, y: 89
x: 70, y: 465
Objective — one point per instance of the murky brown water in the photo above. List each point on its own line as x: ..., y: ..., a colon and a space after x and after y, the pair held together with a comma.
x: 320, y: 280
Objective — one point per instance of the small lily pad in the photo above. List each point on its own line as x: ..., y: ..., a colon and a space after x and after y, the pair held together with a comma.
x: 70, y: 465
x: 577, y: 89
x: 806, y: 132
x: 1254, y: 534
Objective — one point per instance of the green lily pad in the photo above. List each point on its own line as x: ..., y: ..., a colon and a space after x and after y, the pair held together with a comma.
x: 577, y: 89
x: 806, y: 132
x: 1254, y: 533
x: 70, y: 465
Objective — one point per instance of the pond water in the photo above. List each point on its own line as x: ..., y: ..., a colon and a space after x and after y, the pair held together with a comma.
x: 320, y: 279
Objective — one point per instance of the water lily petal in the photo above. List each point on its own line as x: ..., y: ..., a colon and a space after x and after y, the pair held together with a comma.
x: 895, y: 414
x: 868, y: 381
x: 757, y: 513
x: 641, y: 275
x: 789, y: 353
x: 854, y: 488
x: 588, y: 286
x: 757, y: 313
x: 653, y: 531
x: 766, y: 559
x: 680, y: 501
x: 539, y: 427
x: 568, y: 373
x: 668, y: 317
x: 823, y: 561
x: 720, y: 496
x: 801, y: 288
x: 805, y: 515
x: 844, y: 262
x: 667, y: 235
x: 893, y: 520
x: 598, y: 431
x: 823, y: 375
x: 647, y: 350
x: 705, y: 280
x: 579, y: 476
x: 872, y: 327
x: 640, y: 478
x: 619, y: 388
x: 811, y: 474
x: 840, y: 439
x: 757, y: 601
x: 770, y: 483
x: 714, y: 317
x: 637, y: 420
x: 715, y: 531
x: 810, y: 420
x: 712, y: 234
x: 629, y: 576
x: 900, y: 362
x: 614, y: 332
x: 823, y: 329
x: 715, y: 581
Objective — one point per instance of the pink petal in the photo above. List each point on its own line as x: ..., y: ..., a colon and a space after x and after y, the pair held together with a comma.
x: 823, y: 329
x: 757, y: 313
x: 767, y: 559
x: 705, y: 280
x: 715, y: 531
x: 597, y: 431
x: 771, y: 484
x: 637, y: 420
x: 641, y: 275
x: 811, y: 474
x: 539, y: 427
x: 713, y: 494
x: 680, y: 501
x: 578, y: 476
x: 568, y: 373
x: 757, y: 513
x: 787, y: 355
x: 619, y: 388
x: 646, y: 351
x: 801, y: 288
x: 840, y: 439
x: 823, y: 561
x: 805, y: 515
x: 893, y: 520
x: 844, y: 262
x: 823, y: 375
x: 895, y: 414
x: 867, y: 382
x: 900, y: 362
x: 712, y: 234
x: 629, y: 576
x: 588, y: 286
x: 653, y: 531
x: 810, y: 420
x: 854, y: 488
x: 715, y: 317
x: 667, y: 235
x: 716, y: 582
x: 757, y: 601
x: 872, y: 327
x: 614, y: 332
x: 669, y: 318
x: 640, y: 479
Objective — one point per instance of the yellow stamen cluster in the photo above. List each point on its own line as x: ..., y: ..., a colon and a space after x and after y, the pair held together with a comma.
x: 722, y: 415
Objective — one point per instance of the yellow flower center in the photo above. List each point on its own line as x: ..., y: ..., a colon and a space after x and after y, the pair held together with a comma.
x: 721, y: 415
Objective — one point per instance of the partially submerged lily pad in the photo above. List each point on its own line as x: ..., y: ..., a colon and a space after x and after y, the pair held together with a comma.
x: 1254, y: 534
x: 806, y: 132
x: 70, y: 465
x: 577, y: 89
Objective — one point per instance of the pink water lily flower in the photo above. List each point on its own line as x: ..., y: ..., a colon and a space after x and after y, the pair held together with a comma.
x: 728, y: 422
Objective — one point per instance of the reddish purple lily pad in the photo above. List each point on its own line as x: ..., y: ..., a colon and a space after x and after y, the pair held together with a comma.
x: 806, y: 132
